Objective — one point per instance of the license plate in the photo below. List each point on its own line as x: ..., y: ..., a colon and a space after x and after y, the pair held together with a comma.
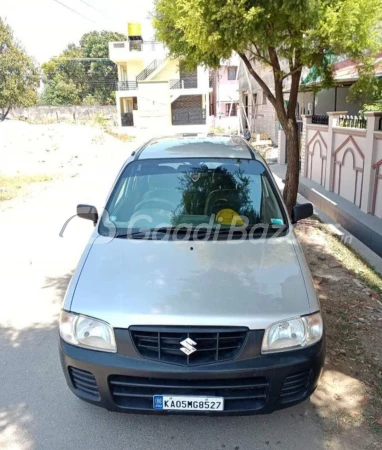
x: 188, y: 403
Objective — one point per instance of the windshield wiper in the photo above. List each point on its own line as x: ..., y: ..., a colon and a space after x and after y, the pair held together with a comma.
x: 148, y: 232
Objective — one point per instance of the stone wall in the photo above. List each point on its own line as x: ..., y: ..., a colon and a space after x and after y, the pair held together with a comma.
x: 64, y: 112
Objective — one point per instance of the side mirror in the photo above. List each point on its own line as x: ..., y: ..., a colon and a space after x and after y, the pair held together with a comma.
x: 302, y: 211
x: 88, y: 212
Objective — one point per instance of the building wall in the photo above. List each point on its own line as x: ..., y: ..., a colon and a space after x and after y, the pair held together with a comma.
x: 169, y: 71
x: 129, y: 71
x: 325, y: 102
x: 260, y: 112
x: 227, y: 91
x: 153, y: 104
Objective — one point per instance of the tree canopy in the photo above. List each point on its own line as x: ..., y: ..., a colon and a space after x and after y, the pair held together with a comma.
x: 70, y: 79
x: 19, y: 73
x: 284, y: 36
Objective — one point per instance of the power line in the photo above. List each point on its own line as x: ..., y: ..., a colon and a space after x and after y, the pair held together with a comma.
x: 80, y: 59
x: 91, y: 6
x: 73, y: 10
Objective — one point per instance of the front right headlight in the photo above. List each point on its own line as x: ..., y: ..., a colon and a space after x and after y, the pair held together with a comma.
x: 87, y: 332
x: 293, y: 334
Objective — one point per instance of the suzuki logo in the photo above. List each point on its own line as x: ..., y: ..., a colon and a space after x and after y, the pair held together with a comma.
x: 188, y: 346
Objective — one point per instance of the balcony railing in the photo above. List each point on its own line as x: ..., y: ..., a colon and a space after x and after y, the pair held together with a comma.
x: 126, y: 85
x: 320, y: 119
x: 140, y: 46
x: 352, y: 122
x: 184, y: 83
x: 149, y: 69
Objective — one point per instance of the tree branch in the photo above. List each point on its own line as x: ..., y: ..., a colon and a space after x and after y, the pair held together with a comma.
x: 293, y: 95
x: 6, y: 113
x: 295, y: 84
x: 257, y: 77
x: 258, y: 55
x: 296, y: 69
x: 279, y: 96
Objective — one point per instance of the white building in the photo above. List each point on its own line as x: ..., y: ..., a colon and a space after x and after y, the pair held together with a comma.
x: 154, y: 90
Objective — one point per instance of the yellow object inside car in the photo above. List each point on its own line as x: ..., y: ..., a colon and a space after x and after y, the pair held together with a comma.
x: 229, y: 217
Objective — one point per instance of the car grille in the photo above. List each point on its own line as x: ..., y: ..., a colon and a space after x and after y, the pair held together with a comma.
x: 84, y: 382
x: 295, y: 387
x: 212, y: 345
x: 240, y: 394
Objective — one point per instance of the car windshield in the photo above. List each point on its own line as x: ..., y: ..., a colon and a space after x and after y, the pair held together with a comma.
x: 187, y: 193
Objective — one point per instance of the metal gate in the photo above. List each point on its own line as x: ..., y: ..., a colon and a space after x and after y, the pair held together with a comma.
x: 189, y: 116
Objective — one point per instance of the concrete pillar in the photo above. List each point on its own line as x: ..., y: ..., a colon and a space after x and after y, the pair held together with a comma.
x: 119, y: 119
x: 370, y: 159
x: 306, y: 119
x: 330, y: 166
x: 207, y: 108
x: 281, y: 157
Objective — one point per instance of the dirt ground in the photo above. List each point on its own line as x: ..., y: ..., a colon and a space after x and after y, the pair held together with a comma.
x: 349, y: 398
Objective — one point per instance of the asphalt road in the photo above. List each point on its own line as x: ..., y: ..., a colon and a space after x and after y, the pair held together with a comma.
x: 37, y: 410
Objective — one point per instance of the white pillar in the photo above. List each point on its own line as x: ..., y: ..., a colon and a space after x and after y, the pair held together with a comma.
x: 330, y: 166
x: 306, y: 119
x: 118, y: 102
x: 207, y: 107
x: 370, y: 159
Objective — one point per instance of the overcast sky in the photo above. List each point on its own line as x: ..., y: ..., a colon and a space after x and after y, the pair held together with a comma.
x: 45, y: 27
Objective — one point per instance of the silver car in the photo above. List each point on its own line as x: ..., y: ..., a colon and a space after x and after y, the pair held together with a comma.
x: 193, y: 294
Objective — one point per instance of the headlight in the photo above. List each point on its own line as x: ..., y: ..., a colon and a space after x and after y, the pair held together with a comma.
x: 87, y: 332
x: 293, y: 334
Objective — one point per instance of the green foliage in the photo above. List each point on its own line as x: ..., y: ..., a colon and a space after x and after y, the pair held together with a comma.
x: 89, y: 100
x: 217, y: 130
x: 19, y: 73
x: 87, y: 81
x: 60, y: 92
x: 282, y: 36
x: 376, y: 106
x: 367, y: 91
x: 302, y: 31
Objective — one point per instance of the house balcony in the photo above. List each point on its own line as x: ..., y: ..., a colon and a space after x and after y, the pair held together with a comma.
x: 127, y: 85
x: 136, y: 50
x: 184, y: 83
x: 188, y: 86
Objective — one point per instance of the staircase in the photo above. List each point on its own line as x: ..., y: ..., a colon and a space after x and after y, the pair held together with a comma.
x: 149, y: 69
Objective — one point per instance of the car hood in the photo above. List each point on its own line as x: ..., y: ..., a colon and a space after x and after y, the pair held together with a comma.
x: 236, y: 283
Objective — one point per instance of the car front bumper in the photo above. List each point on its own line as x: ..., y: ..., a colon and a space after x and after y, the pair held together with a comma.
x: 257, y: 385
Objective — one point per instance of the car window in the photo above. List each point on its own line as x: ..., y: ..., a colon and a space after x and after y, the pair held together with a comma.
x: 193, y: 192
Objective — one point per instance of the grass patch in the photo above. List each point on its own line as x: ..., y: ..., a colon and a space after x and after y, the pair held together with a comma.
x: 353, y: 261
x: 11, y: 186
x: 121, y: 136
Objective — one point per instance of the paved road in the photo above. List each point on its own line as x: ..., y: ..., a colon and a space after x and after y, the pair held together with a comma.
x: 37, y: 410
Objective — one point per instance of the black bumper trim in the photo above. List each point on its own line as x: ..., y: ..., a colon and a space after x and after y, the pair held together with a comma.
x: 273, y: 369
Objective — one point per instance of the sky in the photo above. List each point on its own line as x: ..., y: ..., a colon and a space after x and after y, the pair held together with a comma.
x: 45, y: 27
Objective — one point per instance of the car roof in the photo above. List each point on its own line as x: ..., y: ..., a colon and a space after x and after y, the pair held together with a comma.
x: 196, y: 146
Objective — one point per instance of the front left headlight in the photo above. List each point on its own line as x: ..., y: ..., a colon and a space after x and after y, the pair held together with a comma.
x: 87, y: 332
x: 292, y: 334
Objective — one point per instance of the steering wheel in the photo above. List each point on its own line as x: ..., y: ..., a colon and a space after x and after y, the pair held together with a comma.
x: 166, y: 203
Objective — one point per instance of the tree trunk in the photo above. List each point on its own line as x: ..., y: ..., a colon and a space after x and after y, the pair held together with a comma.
x: 4, y: 114
x: 293, y: 156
